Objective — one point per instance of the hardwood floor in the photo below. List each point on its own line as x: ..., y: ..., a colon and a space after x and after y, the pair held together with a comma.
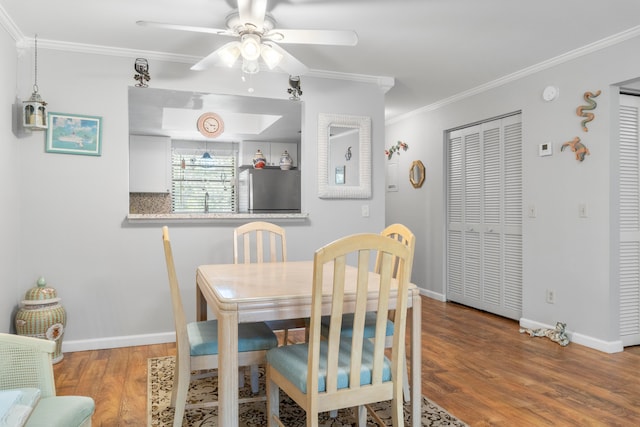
x: 475, y: 365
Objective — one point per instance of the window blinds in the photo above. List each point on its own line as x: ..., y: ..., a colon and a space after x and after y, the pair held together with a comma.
x: 203, y: 182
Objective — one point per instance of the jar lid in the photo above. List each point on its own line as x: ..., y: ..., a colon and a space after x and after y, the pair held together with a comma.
x: 41, y: 294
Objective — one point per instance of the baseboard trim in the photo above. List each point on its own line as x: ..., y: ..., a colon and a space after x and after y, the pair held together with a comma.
x: 166, y: 337
x: 577, y: 338
x: 159, y: 338
x: 433, y: 295
x: 117, y: 342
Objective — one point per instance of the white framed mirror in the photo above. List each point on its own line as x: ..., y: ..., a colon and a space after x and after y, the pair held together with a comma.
x: 344, y: 156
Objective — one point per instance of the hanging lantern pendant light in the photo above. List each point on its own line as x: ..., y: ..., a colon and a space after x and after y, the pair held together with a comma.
x: 34, y: 111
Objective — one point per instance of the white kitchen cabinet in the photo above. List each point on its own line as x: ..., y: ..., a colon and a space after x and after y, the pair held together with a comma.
x: 271, y: 150
x: 149, y: 164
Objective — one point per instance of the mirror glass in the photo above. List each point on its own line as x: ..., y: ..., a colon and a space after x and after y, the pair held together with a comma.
x: 344, y: 157
x: 416, y: 174
x: 164, y: 142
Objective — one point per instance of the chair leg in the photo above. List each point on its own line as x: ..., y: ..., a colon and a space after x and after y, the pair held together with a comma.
x: 397, y: 412
x: 273, y: 401
x: 241, y: 372
x: 254, y: 379
x: 405, y: 381
x: 285, y: 341
x: 362, y: 416
x: 176, y: 381
x: 312, y: 419
x: 179, y: 392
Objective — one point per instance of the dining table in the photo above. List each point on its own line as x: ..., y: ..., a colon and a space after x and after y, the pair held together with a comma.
x: 238, y: 293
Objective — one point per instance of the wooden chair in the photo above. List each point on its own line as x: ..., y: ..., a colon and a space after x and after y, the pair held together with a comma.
x: 197, y: 343
x: 260, y: 242
x: 340, y: 372
x: 402, y: 234
x: 25, y: 363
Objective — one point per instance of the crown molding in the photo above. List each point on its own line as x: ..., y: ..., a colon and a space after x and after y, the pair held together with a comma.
x: 383, y: 82
x: 115, y: 51
x: 7, y: 23
x: 560, y: 59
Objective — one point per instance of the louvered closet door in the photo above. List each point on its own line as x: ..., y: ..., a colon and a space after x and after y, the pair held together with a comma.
x: 484, y: 213
x: 629, y: 208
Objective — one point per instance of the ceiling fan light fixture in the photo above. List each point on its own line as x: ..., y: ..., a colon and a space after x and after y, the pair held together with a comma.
x: 250, y: 47
x: 270, y: 56
x: 250, y: 66
x: 229, y: 54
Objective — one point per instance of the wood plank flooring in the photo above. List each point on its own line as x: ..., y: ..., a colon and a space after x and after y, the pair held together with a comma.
x: 475, y: 365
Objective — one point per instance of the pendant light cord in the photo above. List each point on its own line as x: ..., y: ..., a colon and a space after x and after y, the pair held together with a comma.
x: 35, y: 82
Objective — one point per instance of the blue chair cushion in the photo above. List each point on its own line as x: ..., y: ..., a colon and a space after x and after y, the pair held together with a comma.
x: 347, y: 325
x: 61, y: 411
x: 291, y: 361
x: 203, y: 337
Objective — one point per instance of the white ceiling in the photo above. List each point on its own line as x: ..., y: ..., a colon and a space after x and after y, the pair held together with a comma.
x: 434, y: 49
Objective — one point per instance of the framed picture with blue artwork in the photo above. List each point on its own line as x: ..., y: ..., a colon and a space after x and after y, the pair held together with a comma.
x: 74, y: 134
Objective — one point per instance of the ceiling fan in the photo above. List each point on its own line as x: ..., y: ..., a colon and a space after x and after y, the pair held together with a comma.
x: 258, y: 38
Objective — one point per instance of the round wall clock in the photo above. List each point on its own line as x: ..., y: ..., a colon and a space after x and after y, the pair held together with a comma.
x: 210, y: 125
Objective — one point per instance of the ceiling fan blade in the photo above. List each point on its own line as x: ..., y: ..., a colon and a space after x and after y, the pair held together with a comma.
x: 289, y: 63
x: 217, y: 31
x: 252, y: 12
x: 328, y: 37
x: 213, y: 58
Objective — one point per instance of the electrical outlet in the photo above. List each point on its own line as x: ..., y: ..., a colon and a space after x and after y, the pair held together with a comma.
x: 551, y: 296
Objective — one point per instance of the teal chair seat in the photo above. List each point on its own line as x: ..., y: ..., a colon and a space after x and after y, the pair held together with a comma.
x: 62, y: 411
x: 347, y: 325
x: 292, y: 362
x: 203, y: 337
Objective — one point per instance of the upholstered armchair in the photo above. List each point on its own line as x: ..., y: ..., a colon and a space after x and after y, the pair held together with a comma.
x: 25, y: 363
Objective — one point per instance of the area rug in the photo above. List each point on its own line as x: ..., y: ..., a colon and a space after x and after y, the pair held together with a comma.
x: 159, y: 384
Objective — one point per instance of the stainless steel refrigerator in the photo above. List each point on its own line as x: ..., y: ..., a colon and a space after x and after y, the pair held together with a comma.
x: 268, y: 190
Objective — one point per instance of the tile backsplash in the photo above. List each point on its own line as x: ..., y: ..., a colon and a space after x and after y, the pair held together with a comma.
x: 149, y: 203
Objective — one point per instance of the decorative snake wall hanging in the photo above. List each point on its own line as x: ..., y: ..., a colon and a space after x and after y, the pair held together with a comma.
x: 592, y: 106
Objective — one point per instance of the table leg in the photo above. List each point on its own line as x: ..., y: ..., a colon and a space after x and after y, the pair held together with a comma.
x: 416, y: 359
x: 228, y: 368
x: 201, y: 305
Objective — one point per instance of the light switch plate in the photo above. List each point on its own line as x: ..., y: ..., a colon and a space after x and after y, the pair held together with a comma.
x: 545, y: 149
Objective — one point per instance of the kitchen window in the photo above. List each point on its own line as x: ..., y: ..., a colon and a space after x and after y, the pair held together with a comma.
x: 203, y: 181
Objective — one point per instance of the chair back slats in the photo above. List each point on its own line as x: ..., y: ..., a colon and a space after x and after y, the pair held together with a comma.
x: 270, y: 243
x: 392, y: 257
x: 402, y: 234
x: 180, y: 321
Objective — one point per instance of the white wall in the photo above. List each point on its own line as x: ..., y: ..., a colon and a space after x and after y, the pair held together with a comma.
x: 9, y: 174
x: 563, y: 252
x: 109, y: 273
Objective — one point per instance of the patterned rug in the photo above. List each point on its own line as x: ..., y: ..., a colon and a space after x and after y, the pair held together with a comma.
x: 159, y: 383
